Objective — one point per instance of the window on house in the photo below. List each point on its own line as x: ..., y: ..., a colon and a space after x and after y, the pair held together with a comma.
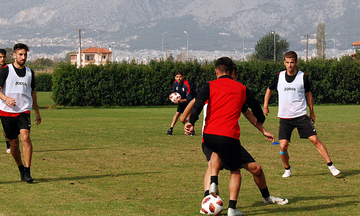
x: 104, y: 57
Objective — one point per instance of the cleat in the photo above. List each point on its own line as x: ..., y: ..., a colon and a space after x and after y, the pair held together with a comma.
x: 192, y: 133
x: 27, y: 176
x: 8, y: 150
x: 214, y: 189
x: 170, y: 131
x: 276, y: 200
x: 234, y: 212
x: 287, y: 173
x: 335, y: 172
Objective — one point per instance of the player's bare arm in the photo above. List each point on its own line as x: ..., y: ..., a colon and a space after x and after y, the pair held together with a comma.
x: 252, y: 119
x: 187, y: 111
x: 266, y: 101
x: 310, y: 103
x: 36, y: 108
x: 8, y: 100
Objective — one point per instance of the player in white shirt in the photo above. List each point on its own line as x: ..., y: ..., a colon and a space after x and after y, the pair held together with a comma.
x: 295, y: 95
x: 18, y: 97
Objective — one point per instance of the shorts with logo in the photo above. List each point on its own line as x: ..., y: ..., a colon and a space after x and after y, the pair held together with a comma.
x: 232, y: 154
x: 303, y: 124
x: 12, y: 125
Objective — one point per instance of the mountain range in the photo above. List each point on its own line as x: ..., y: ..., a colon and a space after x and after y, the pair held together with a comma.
x: 160, y: 24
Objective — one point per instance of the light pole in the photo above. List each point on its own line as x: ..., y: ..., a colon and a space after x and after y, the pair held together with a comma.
x: 80, y: 30
x: 274, y: 47
x: 98, y: 47
x: 162, y: 43
x: 187, y: 46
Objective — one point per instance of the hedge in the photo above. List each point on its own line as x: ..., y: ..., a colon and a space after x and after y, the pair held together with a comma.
x: 43, y: 82
x: 132, y: 84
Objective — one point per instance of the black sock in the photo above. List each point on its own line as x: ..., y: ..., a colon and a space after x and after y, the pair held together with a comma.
x: 214, y: 179
x: 287, y: 168
x: 265, y: 192
x: 330, y: 163
x: 7, y: 144
x: 21, y: 168
x: 206, y: 193
x: 232, y: 204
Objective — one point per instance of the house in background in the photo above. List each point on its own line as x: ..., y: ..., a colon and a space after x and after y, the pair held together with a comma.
x: 92, y: 55
x: 356, y: 46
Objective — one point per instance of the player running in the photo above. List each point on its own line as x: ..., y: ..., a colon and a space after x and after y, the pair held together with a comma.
x: 18, y: 97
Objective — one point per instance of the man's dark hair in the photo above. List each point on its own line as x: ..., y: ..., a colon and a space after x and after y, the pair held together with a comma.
x: 179, y: 73
x: 225, y: 65
x: 3, y: 51
x: 20, y: 46
x: 290, y: 54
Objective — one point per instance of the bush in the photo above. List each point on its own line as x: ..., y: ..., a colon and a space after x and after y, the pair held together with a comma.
x: 43, y: 82
x: 132, y: 84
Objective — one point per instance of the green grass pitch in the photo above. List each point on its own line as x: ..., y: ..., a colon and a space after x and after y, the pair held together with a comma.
x: 119, y: 161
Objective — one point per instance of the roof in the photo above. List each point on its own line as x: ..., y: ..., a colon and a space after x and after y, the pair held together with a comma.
x: 95, y: 50
x: 357, y: 43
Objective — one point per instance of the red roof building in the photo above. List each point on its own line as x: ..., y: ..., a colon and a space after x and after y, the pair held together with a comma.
x: 92, y: 55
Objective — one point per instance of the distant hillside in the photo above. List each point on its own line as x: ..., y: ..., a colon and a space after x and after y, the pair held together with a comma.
x: 210, y: 24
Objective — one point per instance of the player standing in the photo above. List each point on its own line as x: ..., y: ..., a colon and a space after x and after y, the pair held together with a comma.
x: 18, y: 97
x: 2, y: 64
x: 294, y: 92
x: 226, y: 99
x: 184, y: 88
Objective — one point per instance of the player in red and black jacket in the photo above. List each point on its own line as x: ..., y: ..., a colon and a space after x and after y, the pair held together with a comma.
x: 185, y: 89
x: 3, y: 64
x: 226, y: 99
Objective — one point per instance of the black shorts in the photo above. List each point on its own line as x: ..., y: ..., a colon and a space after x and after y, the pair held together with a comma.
x: 181, y: 107
x: 232, y: 154
x: 207, y: 152
x: 303, y: 124
x: 12, y: 125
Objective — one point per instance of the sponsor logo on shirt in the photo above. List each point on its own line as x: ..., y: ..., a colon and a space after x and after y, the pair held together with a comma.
x: 21, y: 83
x: 289, y: 89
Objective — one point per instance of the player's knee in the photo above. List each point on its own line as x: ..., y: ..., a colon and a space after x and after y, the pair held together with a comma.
x: 256, y: 170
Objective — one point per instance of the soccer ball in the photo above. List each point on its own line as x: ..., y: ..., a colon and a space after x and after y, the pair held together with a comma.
x: 212, y: 205
x: 174, y: 97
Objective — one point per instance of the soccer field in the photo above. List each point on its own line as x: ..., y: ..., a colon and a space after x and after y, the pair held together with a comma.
x: 119, y: 161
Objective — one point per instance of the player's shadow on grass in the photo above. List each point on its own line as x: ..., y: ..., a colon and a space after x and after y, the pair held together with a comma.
x: 78, y: 178
x: 70, y: 149
x: 303, y: 209
x: 343, y: 174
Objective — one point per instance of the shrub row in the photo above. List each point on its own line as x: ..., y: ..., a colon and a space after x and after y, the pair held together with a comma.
x: 43, y: 81
x: 131, y: 84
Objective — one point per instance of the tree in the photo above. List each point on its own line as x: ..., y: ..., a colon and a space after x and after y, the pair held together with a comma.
x: 264, y: 48
x: 9, y: 55
x: 67, y: 56
x: 320, y: 41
